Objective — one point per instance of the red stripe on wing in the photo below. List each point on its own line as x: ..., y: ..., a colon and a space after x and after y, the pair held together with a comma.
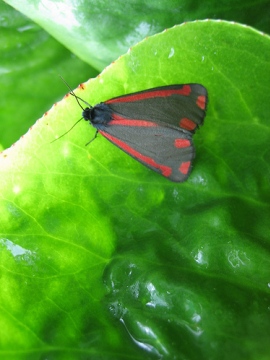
x: 165, y: 170
x: 184, y: 90
x: 187, y: 124
x: 184, y: 167
x: 119, y: 120
x: 201, y: 101
x: 181, y: 143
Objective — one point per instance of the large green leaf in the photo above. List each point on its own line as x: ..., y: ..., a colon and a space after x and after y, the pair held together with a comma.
x: 30, y: 62
x: 99, y: 31
x: 186, y: 266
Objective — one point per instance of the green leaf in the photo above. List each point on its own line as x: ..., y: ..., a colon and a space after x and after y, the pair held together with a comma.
x: 186, y: 266
x: 100, y: 31
x: 30, y: 63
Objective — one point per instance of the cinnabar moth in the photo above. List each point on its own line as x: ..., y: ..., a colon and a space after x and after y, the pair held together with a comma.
x: 154, y: 126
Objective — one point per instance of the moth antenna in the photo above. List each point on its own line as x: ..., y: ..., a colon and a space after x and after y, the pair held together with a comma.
x: 76, y: 97
x: 67, y: 131
x: 73, y: 94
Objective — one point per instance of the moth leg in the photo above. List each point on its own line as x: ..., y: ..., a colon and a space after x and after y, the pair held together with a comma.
x: 92, y: 138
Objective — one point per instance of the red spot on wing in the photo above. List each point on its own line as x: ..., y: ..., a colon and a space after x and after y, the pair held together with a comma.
x: 119, y: 120
x: 201, y: 101
x: 184, y: 90
x: 181, y: 143
x: 187, y: 124
x: 165, y: 170
x: 184, y: 167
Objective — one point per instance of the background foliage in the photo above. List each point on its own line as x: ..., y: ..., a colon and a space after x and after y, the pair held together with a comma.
x: 101, y: 258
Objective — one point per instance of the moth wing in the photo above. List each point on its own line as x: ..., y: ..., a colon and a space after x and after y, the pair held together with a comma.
x: 162, y: 149
x: 180, y: 106
x: 155, y: 126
